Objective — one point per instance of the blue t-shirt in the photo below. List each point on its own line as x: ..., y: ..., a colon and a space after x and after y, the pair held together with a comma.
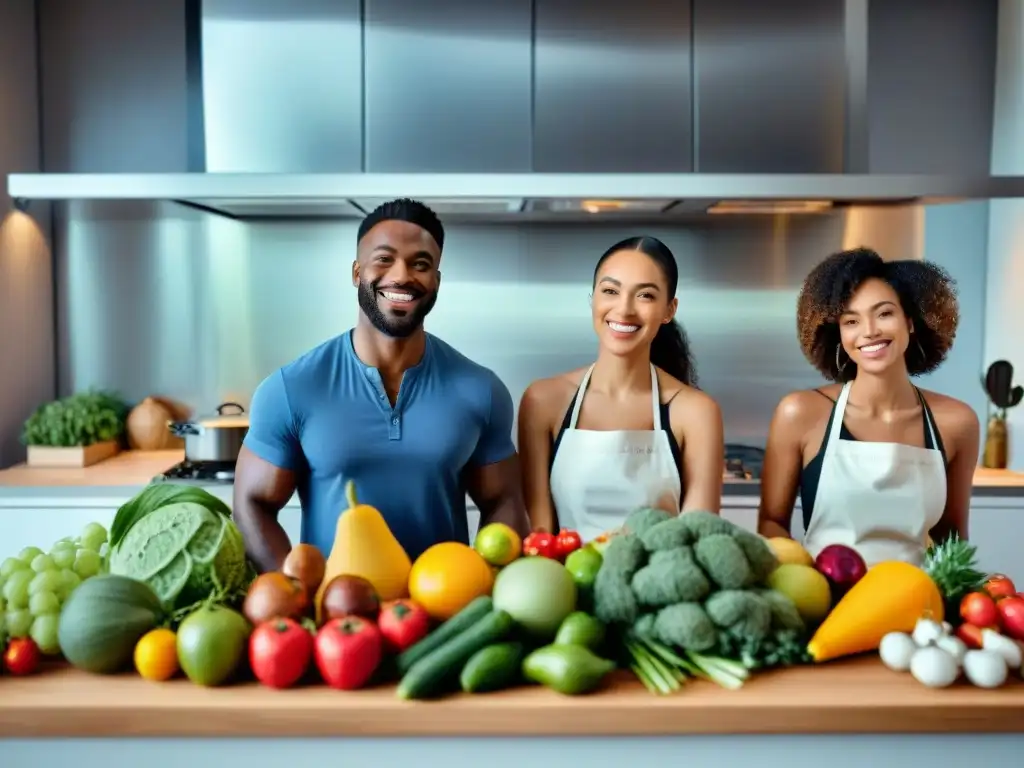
x: 326, y: 417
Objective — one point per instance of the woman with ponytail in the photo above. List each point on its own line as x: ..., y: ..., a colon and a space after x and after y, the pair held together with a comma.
x: 632, y: 429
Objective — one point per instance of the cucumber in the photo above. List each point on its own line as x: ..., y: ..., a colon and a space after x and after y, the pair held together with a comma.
x: 429, y: 675
x: 493, y: 668
x: 456, y: 625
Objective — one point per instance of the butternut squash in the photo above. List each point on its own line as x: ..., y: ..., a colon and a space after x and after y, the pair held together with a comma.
x: 891, y: 597
x: 364, y: 546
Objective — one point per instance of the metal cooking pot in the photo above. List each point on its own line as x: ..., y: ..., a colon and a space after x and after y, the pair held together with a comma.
x: 216, y: 438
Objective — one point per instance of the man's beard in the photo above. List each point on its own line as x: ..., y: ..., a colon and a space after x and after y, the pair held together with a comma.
x: 396, y: 326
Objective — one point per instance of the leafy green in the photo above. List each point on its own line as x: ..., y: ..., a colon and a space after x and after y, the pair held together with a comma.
x: 82, y: 419
x: 187, y: 553
x: 157, y: 495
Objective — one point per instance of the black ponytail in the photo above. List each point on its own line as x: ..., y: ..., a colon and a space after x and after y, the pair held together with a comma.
x: 670, y: 349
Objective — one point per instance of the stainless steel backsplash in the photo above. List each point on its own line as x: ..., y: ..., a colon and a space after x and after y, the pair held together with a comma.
x: 163, y: 299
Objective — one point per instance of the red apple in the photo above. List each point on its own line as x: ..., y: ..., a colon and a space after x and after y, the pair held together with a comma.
x: 1011, y: 611
x: 842, y: 566
x: 1000, y: 586
x: 979, y: 609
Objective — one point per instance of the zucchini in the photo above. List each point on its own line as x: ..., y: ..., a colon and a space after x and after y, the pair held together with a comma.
x: 474, y: 611
x: 428, y: 676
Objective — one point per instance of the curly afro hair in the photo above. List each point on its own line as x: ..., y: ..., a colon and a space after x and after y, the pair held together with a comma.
x: 926, y: 292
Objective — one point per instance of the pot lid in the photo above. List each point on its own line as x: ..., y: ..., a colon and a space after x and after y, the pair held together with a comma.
x: 238, y: 419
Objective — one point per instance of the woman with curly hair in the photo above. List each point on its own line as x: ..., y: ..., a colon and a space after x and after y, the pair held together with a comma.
x: 880, y: 465
x: 632, y: 429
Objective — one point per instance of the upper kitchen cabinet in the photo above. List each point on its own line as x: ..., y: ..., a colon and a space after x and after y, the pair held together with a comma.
x: 447, y: 85
x: 930, y: 86
x: 612, y: 86
x: 114, y: 82
x: 770, y: 85
x: 282, y: 86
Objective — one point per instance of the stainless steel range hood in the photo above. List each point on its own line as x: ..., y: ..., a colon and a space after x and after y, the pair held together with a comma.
x: 530, y: 196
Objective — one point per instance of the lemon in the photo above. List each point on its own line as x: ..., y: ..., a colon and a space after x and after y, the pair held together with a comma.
x: 156, y: 655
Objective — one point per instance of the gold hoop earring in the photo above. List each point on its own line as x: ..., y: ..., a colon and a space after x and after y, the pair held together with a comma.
x: 840, y: 368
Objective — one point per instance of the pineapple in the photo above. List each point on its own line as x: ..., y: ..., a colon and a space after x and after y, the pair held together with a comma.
x: 952, y: 566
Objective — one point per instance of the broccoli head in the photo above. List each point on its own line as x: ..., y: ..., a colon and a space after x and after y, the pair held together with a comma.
x: 640, y: 520
x: 745, y: 614
x: 722, y: 559
x: 670, y: 576
x: 703, y: 524
x: 785, y: 616
x: 667, y: 534
x: 624, y: 554
x: 686, y: 626
x: 759, y: 555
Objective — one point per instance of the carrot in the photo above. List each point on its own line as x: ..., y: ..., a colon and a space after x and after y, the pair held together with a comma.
x: 891, y: 597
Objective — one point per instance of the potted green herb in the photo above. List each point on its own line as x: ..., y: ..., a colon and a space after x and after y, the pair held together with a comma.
x: 1002, y: 395
x: 75, y: 431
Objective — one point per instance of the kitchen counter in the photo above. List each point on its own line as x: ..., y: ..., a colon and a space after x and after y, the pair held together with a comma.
x: 854, y: 696
x: 134, y: 469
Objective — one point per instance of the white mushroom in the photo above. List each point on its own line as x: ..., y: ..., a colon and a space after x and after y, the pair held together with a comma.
x: 933, y: 667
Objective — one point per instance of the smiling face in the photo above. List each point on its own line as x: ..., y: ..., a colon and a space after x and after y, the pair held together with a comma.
x: 631, y: 302
x: 874, y: 330
x: 397, y: 276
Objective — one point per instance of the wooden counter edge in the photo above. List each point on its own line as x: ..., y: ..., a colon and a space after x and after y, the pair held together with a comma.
x: 858, y: 696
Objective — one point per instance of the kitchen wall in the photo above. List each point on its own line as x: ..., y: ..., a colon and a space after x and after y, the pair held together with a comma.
x: 1005, y: 279
x: 26, y: 286
x: 159, y: 298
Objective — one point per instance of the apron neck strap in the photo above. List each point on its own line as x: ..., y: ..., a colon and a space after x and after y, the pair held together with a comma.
x: 579, y: 397
x: 655, y: 398
x: 837, y: 415
x: 928, y: 423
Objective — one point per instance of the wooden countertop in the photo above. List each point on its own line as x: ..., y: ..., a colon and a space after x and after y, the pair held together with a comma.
x: 137, y: 468
x: 129, y: 468
x: 853, y: 696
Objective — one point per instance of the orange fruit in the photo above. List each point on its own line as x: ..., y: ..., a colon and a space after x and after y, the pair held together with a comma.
x: 447, y: 577
x: 156, y: 655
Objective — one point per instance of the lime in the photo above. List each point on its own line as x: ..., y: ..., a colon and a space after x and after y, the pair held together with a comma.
x: 498, y: 544
x: 584, y: 564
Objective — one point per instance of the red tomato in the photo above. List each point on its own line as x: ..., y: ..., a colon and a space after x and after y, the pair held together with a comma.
x: 568, y: 541
x: 971, y: 635
x: 979, y: 609
x: 402, y: 623
x: 22, y: 656
x: 1011, y: 612
x: 348, y: 651
x: 999, y: 586
x: 279, y: 652
x: 540, y: 544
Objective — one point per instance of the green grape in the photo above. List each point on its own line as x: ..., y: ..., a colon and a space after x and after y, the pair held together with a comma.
x: 63, y: 558
x: 47, y: 581
x: 67, y: 541
x: 10, y: 565
x: 16, y: 589
x: 42, y: 563
x: 42, y: 603
x: 87, y: 563
x: 28, y: 554
x: 44, y: 632
x: 69, y: 580
x: 93, y: 536
x: 19, y: 622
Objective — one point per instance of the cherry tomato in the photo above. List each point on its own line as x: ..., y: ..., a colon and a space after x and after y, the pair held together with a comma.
x: 979, y: 609
x: 347, y: 652
x: 568, y: 541
x: 22, y: 656
x: 541, y: 544
x: 999, y: 586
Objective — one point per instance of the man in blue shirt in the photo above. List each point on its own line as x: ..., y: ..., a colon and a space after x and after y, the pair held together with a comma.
x: 413, y: 422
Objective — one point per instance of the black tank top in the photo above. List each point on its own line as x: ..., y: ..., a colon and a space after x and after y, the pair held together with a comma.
x: 811, y: 474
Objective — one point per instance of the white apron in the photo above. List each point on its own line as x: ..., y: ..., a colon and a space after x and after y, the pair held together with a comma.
x: 599, y: 477
x: 881, y: 499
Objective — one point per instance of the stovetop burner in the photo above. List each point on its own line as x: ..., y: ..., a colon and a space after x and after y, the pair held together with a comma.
x: 212, y: 471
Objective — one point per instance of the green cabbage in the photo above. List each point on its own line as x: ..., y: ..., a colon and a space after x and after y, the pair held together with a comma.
x: 185, y: 552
